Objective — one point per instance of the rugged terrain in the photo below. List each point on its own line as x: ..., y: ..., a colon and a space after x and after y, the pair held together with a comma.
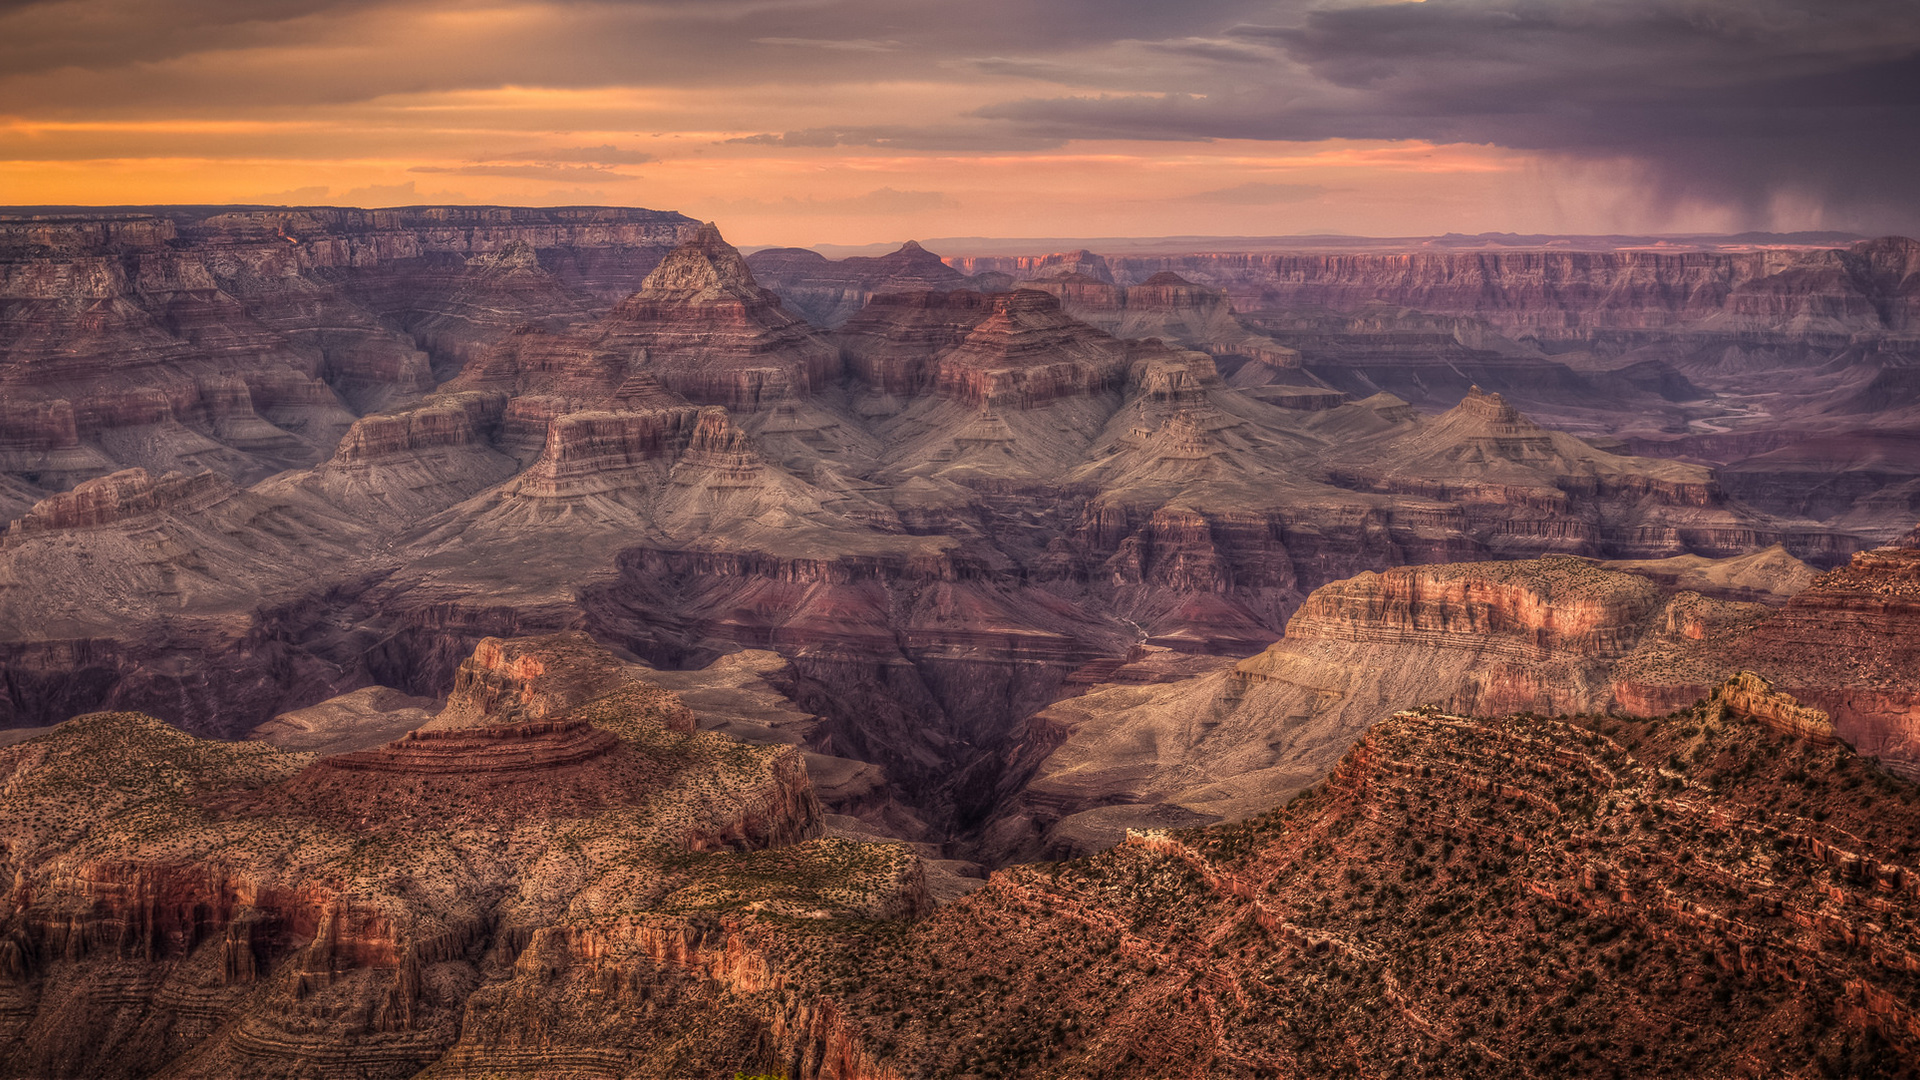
x: 555, y: 877
x: 938, y: 511
x: 187, y: 907
x: 625, y: 645
x: 1791, y: 371
x: 1723, y: 891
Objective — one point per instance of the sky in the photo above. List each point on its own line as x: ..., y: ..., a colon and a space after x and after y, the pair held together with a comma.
x: 861, y: 121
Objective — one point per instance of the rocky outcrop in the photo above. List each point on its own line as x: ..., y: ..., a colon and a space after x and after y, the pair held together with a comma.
x: 1846, y: 646
x: 525, y: 680
x: 589, y: 452
x: 1751, y: 697
x: 112, y: 499
x: 467, y: 419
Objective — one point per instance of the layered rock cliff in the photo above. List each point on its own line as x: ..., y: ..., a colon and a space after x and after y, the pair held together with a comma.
x: 247, y: 341
x: 1556, y: 635
x: 1846, y: 645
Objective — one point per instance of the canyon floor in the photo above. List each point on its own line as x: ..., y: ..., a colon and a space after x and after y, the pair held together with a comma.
x: 434, y: 638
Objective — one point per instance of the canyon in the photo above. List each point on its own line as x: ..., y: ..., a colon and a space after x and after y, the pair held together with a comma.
x: 559, y: 876
x: 743, y: 636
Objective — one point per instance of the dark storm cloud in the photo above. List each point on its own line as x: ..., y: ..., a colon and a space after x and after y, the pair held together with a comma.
x: 1734, y: 101
x: 575, y: 43
x: 1729, y: 100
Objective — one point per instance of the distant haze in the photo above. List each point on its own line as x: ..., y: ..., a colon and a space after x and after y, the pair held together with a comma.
x: 851, y: 122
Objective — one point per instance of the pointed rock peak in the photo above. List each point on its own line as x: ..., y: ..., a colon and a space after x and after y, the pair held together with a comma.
x: 916, y: 261
x: 1490, y: 407
x: 1169, y: 278
x: 643, y: 391
x: 705, y: 267
x: 714, y: 433
x: 1911, y: 540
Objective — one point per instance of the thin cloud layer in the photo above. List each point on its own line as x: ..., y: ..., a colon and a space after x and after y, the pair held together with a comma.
x: 1282, y: 115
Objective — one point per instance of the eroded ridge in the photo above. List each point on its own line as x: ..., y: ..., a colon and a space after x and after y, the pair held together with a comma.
x: 1695, y: 895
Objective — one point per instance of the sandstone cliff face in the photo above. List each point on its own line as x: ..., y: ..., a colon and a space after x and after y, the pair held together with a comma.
x: 1555, y: 635
x: 1556, y: 294
x: 1846, y: 645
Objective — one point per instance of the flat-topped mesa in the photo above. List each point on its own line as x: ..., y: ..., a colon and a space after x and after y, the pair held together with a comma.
x: 1164, y: 374
x: 1028, y: 352
x: 514, y: 681
x: 469, y: 418
x: 705, y: 329
x: 114, y: 498
x: 1060, y: 264
x: 1753, y: 697
x: 593, y: 451
x: 1535, y: 608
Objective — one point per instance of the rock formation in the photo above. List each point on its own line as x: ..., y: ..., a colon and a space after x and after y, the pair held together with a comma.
x: 1668, y: 350
x: 958, y: 506
x: 1847, y: 645
x: 1554, y: 635
x: 247, y: 341
x: 828, y: 292
x: 228, y: 909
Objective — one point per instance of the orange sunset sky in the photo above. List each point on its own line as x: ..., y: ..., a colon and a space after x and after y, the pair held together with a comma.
x: 855, y: 121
